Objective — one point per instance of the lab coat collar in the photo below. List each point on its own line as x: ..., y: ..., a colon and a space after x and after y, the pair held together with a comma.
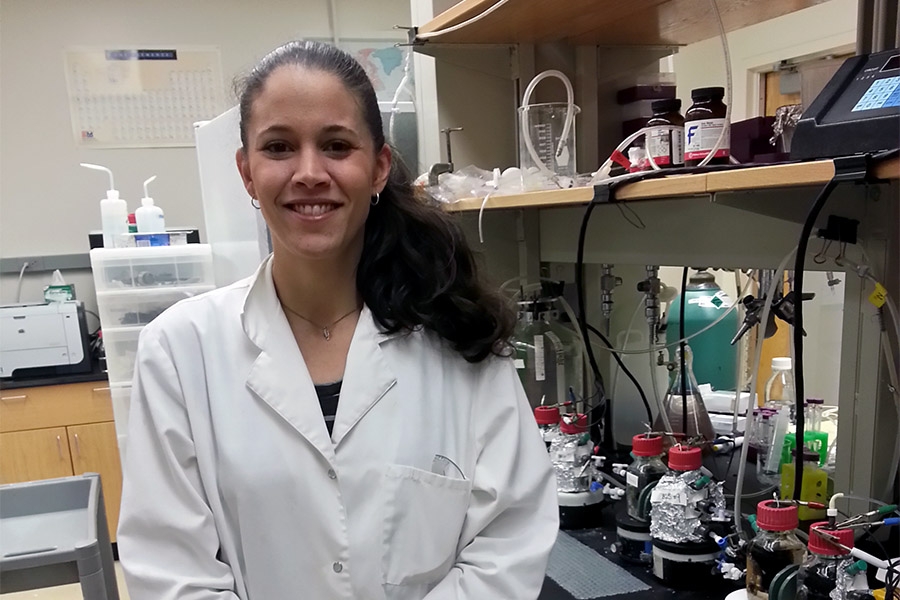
x: 280, y: 378
x: 261, y: 305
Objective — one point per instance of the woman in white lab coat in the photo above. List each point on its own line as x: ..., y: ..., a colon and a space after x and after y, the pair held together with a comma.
x: 345, y: 423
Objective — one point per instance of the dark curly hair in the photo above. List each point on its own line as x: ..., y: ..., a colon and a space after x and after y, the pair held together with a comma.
x: 416, y: 270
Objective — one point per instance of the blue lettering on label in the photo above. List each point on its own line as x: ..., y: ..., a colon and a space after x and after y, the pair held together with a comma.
x: 691, y: 131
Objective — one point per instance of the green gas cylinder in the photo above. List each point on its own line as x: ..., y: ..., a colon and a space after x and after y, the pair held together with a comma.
x: 714, y: 356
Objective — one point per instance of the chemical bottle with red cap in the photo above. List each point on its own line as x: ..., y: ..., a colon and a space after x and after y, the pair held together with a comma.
x: 828, y: 566
x: 579, y: 495
x: 774, y: 547
x: 647, y: 468
x: 683, y: 551
x: 547, y: 418
x: 673, y: 514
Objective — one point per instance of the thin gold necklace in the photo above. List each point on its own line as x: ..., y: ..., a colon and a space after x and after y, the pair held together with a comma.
x: 326, y: 329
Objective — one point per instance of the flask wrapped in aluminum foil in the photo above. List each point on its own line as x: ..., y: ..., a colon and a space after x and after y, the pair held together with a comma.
x: 570, y: 454
x: 674, y: 516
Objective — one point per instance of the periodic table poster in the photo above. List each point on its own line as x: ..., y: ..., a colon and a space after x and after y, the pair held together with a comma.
x: 142, y: 98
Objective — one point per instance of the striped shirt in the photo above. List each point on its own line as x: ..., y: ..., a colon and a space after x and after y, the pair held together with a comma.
x: 328, y: 394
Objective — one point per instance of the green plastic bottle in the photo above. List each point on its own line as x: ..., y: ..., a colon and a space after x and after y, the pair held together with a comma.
x: 714, y: 356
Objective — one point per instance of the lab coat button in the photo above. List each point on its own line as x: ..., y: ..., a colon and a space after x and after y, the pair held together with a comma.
x: 338, y: 567
x: 332, y: 475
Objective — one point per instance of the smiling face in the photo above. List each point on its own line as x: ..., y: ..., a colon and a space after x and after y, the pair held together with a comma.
x: 311, y: 163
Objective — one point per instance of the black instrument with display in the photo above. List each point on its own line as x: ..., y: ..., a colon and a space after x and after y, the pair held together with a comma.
x: 858, y: 111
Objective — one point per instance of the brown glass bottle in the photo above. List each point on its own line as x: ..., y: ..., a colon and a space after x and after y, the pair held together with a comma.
x: 703, y: 123
x: 666, y: 147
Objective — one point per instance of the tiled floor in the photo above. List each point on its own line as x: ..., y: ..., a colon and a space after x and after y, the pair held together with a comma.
x: 65, y: 592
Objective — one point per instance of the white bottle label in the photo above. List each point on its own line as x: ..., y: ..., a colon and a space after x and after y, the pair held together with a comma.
x: 658, y: 143
x: 631, y: 479
x: 539, y: 369
x: 700, y: 137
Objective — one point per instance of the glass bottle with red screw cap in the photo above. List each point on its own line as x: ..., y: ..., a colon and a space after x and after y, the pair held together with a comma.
x: 648, y: 467
x: 819, y: 573
x: 547, y: 418
x: 569, y: 452
x: 774, y: 547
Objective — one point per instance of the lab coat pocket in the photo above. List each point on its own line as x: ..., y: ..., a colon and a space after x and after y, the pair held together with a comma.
x: 424, y: 516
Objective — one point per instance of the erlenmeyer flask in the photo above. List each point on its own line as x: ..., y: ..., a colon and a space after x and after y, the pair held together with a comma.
x: 698, y: 422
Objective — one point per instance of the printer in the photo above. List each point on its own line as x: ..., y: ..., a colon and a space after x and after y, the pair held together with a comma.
x: 43, y: 340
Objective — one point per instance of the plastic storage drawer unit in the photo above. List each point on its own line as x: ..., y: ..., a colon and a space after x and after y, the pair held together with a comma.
x: 121, y: 345
x: 155, y: 267
x: 54, y: 532
x: 140, y: 306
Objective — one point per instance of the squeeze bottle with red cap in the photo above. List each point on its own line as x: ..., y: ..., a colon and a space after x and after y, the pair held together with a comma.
x: 774, y: 547
x: 648, y: 467
x: 819, y: 573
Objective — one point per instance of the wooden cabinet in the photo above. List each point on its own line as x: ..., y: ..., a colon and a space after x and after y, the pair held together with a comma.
x: 95, y: 450
x: 58, y: 431
x: 37, y: 454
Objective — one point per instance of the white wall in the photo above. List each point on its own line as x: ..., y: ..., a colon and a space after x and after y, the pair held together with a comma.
x: 820, y: 29
x: 47, y: 202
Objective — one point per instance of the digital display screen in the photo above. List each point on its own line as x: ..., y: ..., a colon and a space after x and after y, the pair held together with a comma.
x: 892, y: 63
x: 883, y: 93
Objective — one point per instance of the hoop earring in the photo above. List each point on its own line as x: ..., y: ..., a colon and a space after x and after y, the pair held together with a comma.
x: 254, y: 203
x: 376, y: 199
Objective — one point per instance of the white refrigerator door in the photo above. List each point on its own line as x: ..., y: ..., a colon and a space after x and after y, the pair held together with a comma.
x: 235, y: 230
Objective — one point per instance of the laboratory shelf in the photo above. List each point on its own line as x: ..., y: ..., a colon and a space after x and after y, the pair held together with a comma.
x: 588, y: 22
x: 754, y: 178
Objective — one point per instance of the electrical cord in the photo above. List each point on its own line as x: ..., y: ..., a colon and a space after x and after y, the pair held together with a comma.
x: 844, y: 171
x: 603, y: 404
x: 19, y: 284
x: 99, y: 324
x: 684, y: 419
x: 627, y: 372
x: 799, y: 263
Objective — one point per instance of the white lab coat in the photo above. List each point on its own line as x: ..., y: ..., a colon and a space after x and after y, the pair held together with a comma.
x: 233, y: 488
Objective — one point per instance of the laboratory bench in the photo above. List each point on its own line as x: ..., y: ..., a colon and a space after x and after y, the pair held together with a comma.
x: 601, y: 539
x: 53, y: 427
x: 13, y: 383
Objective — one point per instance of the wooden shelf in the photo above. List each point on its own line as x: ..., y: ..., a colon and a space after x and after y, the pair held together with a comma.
x: 774, y: 176
x: 588, y: 22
